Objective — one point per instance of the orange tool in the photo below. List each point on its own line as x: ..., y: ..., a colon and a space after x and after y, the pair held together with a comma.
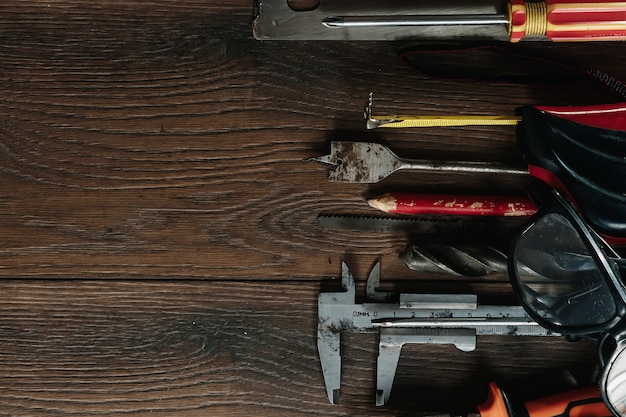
x: 585, y: 402
x: 558, y: 20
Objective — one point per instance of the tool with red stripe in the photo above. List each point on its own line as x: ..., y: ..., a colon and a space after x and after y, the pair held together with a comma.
x: 558, y: 20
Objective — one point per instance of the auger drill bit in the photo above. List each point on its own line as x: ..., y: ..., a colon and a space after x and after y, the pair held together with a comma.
x: 462, y: 260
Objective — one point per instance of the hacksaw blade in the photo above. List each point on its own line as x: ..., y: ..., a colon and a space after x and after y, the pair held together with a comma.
x: 414, y: 224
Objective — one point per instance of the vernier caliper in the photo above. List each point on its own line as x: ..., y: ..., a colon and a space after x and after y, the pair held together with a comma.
x: 414, y: 318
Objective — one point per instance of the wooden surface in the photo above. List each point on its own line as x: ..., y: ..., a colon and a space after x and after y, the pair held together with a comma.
x: 160, y: 252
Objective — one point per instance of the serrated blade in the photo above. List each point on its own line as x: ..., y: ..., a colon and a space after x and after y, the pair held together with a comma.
x: 413, y: 225
x: 426, y: 225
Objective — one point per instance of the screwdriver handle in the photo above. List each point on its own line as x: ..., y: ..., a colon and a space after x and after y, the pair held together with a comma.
x: 568, y: 20
x: 585, y: 402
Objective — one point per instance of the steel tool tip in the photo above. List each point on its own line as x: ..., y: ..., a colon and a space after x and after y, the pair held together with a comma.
x: 324, y: 159
x: 335, y: 397
x: 333, y: 22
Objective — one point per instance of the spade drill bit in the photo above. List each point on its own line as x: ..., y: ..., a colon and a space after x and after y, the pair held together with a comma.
x: 363, y: 162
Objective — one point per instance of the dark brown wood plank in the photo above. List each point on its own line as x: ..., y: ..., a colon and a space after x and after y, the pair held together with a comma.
x: 233, y: 348
x: 160, y: 140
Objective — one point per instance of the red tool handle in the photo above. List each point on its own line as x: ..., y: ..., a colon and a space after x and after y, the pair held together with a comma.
x: 452, y: 204
x: 568, y: 20
x: 586, y: 402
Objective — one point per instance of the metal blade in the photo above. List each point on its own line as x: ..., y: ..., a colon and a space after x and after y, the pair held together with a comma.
x: 374, y: 21
x: 359, y: 162
x: 328, y: 333
x: 416, y: 225
x: 424, y: 225
x: 275, y: 19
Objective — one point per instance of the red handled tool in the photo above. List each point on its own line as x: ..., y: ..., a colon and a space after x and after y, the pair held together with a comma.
x: 568, y: 20
x: 558, y: 20
x: 585, y: 402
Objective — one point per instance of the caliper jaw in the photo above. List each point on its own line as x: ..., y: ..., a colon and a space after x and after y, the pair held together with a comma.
x: 329, y: 329
x: 337, y: 312
x: 393, y: 339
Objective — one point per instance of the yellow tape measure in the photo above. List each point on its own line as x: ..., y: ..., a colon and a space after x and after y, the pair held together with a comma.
x: 440, y: 121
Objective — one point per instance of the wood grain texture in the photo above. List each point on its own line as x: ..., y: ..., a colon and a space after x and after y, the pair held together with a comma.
x: 149, y: 139
x: 160, y: 252
x: 229, y: 348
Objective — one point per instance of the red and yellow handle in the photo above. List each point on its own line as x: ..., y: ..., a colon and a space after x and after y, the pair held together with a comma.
x: 568, y: 20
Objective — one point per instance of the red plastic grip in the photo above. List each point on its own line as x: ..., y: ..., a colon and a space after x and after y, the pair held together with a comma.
x: 605, y: 116
x: 569, y: 20
x: 584, y: 402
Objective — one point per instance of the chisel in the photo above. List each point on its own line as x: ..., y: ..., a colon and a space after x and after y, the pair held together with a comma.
x: 558, y: 20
